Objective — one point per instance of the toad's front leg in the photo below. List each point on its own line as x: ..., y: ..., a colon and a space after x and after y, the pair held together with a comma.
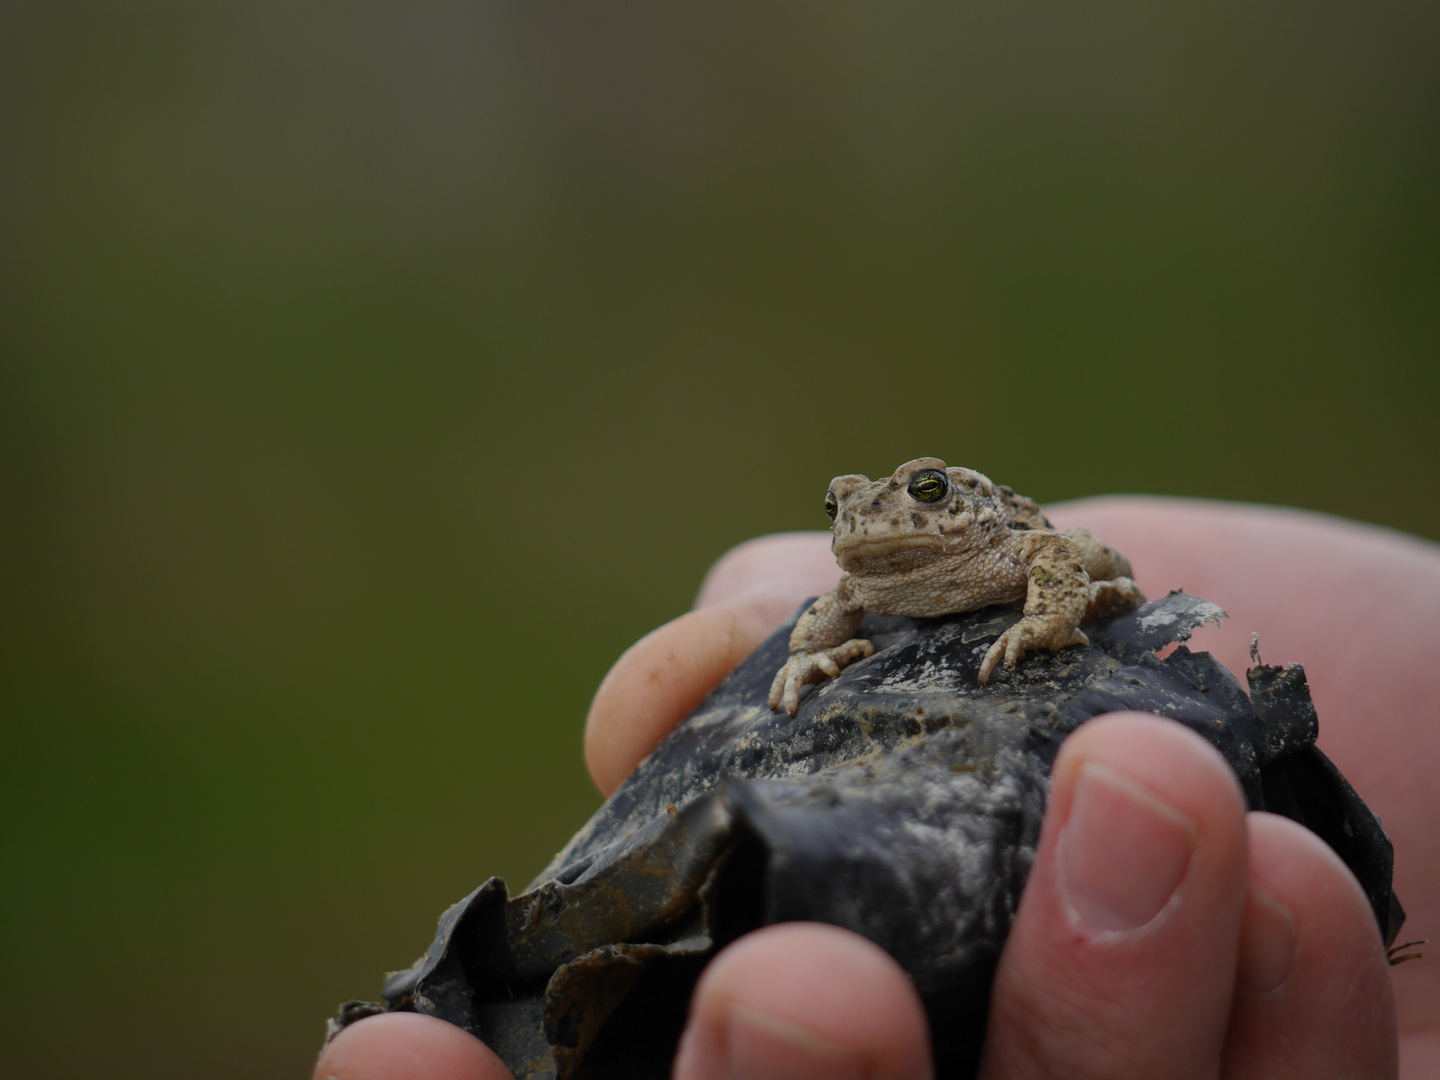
x: 821, y: 644
x: 1055, y: 600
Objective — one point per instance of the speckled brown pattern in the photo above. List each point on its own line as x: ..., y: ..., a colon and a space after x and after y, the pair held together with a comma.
x: 932, y: 540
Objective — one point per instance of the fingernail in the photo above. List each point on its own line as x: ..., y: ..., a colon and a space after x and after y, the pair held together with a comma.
x: 761, y: 1046
x: 1122, y: 852
x: 1267, y: 944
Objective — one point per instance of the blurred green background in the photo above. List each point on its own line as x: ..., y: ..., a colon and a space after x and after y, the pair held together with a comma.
x: 371, y: 375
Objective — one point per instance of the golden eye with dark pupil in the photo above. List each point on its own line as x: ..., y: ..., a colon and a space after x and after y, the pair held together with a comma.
x: 927, y: 486
x: 831, y: 506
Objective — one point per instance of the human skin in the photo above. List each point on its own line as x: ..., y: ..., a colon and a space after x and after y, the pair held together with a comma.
x: 1154, y: 894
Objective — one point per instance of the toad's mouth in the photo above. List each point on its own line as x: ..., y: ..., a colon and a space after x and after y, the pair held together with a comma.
x: 894, y: 551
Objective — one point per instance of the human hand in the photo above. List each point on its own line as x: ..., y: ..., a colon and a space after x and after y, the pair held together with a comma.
x: 1117, y: 964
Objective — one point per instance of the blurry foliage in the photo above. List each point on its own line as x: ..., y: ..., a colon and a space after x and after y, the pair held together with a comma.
x: 372, y: 375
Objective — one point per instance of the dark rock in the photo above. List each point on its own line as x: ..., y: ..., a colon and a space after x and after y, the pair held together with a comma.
x: 903, y: 802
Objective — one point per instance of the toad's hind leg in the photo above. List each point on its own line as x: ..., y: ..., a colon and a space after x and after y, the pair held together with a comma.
x: 1102, y: 562
x: 1111, y: 587
x: 1112, y: 597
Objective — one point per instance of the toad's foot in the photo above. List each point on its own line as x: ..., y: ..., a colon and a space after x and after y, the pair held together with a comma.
x: 808, y: 667
x: 1031, y: 632
x: 1112, y: 597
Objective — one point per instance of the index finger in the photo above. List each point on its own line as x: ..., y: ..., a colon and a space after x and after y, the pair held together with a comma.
x: 662, y: 677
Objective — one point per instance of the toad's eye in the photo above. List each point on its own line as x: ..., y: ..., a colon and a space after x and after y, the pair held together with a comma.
x: 831, y: 506
x: 927, y: 485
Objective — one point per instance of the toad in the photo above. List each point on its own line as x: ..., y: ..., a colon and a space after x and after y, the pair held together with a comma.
x: 933, y: 540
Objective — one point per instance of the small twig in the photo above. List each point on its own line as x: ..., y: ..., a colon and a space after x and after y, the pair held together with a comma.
x: 1394, y: 959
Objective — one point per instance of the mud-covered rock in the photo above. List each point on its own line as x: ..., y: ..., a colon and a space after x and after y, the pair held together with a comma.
x: 903, y: 802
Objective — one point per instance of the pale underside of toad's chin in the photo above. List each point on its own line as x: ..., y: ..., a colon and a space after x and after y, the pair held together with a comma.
x: 891, y: 552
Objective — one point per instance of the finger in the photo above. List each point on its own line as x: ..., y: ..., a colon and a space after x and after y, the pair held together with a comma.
x: 1318, y: 590
x: 804, y: 1000
x: 1420, y: 1052
x: 1313, y: 994
x: 663, y: 676
x: 794, y: 565
x: 1274, y: 569
x: 1121, y: 959
x: 408, y: 1046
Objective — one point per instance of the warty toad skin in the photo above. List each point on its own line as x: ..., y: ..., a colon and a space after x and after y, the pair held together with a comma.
x: 934, y: 540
